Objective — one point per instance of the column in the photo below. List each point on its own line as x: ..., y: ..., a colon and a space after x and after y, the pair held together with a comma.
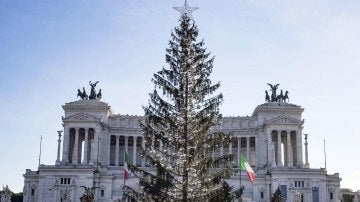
x: 239, y: 149
x: 109, y: 150
x: 248, y: 149
x: 117, y: 150
x: 273, y: 155
x: 96, y: 145
x: 143, y: 146
x: 76, y: 147
x: 134, y: 149
x: 92, y: 148
x: 306, y: 152
x: 58, y: 150
x: 299, y: 149
x: 256, y: 152
x: 86, y: 145
x: 279, y: 162
x: 65, y: 155
x: 269, y: 148
x: 289, y: 149
x: 126, y: 145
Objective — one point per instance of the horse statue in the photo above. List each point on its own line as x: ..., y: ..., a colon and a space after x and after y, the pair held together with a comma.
x: 286, y: 97
x: 280, y: 97
x: 93, y: 92
x: 83, y: 94
x: 80, y: 94
x: 267, y: 97
x: 99, y: 95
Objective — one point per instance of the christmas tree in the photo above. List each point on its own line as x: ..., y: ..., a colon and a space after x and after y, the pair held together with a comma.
x: 179, y: 145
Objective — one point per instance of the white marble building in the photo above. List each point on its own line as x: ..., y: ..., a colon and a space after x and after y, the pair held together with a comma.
x: 94, y: 141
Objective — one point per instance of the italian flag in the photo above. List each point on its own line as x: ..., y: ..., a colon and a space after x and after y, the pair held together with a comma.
x: 244, y: 165
x: 126, y: 169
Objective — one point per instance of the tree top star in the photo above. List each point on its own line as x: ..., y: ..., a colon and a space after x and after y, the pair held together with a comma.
x: 186, y: 10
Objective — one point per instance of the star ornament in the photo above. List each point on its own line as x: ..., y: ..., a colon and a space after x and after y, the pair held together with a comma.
x: 186, y: 10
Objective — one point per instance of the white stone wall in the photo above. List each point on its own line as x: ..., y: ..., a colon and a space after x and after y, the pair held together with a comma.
x: 93, y: 114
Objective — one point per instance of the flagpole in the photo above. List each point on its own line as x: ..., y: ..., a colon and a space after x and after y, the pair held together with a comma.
x: 325, y: 153
x: 124, y: 172
x: 241, y: 191
x: 40, y: 150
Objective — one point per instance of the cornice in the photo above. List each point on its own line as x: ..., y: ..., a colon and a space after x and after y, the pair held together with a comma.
x: 87, y: 105
x: 277, y: 107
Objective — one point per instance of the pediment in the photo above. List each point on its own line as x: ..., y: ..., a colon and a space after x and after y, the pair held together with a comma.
x: 281, y: 120
x: 82, y: 117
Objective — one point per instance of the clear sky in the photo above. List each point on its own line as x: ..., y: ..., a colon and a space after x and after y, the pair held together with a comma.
x: 49, y: 49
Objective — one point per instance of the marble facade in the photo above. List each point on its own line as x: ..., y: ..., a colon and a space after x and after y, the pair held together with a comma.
x: 91, y: 153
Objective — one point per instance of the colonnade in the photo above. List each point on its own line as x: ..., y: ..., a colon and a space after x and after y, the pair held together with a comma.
x: 284, y: 148
x: 246, y: 146
x: 121, y: 144
x: 131, y: 145
x: 79, y: 145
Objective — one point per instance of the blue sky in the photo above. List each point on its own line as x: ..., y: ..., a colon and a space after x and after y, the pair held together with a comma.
x: 49, y: 49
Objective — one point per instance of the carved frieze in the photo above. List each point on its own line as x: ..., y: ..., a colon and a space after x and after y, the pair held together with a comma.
x: 284, y: 120
x: 81, y: 117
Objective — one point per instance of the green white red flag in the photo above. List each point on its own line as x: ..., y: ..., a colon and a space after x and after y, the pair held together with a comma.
x: 126, y: 168
x: 244, y: 165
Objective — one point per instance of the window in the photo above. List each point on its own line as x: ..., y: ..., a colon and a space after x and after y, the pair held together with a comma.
x: 32, y: 192
x: 315, y: 194
x: 283, y: 189
x: 331, y: 195
x: 262, y: 195
x: 299, y: 183
x: 64, y: 180
x: 102, y: 193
